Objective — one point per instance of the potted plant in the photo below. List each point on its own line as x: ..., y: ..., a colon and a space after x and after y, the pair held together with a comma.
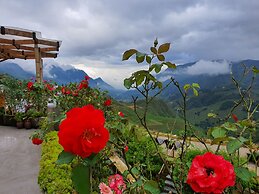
x: 35, y: 117
x: 19, y: 116
x: 27, y: 120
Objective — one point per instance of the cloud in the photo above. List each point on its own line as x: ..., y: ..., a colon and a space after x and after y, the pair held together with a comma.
x: 209, y: 67
x: 102, y: 30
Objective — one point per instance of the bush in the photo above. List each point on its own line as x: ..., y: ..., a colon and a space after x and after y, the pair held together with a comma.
x: 53, y: 178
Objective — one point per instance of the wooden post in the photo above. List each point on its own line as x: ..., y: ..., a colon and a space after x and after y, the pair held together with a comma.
x: 38, y: 62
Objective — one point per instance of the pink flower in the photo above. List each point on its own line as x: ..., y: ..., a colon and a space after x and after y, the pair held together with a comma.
x: 116, y: 183
x: 104, y: 189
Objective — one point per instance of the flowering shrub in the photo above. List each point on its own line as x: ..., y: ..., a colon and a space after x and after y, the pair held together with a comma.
x: 93, y: 131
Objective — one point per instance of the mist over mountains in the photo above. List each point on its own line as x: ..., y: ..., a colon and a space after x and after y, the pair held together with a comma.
x: 211, y: 76
x: 55, y: 73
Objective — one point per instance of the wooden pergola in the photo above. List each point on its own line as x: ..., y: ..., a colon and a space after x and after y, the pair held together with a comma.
x: 24, y: 44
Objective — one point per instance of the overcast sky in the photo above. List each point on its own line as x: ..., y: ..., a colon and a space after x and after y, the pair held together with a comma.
x: 95, y: 33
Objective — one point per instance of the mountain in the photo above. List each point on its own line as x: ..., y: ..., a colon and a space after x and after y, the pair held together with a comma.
x: 55, y: 73
x: 208, y: 80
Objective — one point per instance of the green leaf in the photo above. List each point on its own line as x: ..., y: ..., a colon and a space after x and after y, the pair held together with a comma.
x: 81, y: 179
x: 212, y: 115
x: 140, y: 57
x: 159, y: 84
x: 127, y: 54
x: 186, y: 87
x: 139, y: 79
x: 230, y: 126
x: 148, y: 59
x: 195, y: 92
x: 65, y: 157
x: 152, y: 67
x: 195, y: 85
x: 135, y: 171
x: 91, y: 160
x: 161, y: 57
x: 218, y: 132
x: 127, y: 83
x: 244, y: 174
x: 234, y: 145
x: 170, y: 65
x: 220, y: 139
x: 163, y: 48
x: 255, y: 70
x: 153, y: 50
x: 152, y: 187
x: 158, y: 68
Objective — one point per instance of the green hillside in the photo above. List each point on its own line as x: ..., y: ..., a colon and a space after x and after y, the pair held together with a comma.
x: 160, y: 116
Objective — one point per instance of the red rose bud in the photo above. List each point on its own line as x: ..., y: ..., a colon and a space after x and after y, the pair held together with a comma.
x: 83, y: 84
x: 50, y: 87
x: 108, y: 102
x: 30, y: 85
x: 63, y: 90
x: 75, y: 93
x: 121, y: 114
x: 87, y: 77
x: 235, y: 117
x: 37, y: 141
x: 126, y: 148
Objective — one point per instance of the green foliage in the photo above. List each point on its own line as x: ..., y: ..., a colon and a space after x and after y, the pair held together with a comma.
x: 53, y: 178
x: 81, y: 179
x: 142, y: 153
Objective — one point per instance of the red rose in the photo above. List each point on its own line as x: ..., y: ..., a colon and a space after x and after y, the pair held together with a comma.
x: 75, y: 93
x: 121, y: 114
x: 82, y: 132
x: 50, y: 87
x: 63, y: 90
x: 30, y: 85
x: 87, y: 77
x: 126, y: 149
x: 235, y: 117
x: 83, y: 84
x: 37, y: 141
x: 210, y: 173
x: 108, y: 102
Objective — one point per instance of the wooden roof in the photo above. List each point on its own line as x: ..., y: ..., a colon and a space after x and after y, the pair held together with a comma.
x: 25, y: 44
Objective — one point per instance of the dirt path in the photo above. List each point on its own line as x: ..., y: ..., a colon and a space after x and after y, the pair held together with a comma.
x: 19, y: 162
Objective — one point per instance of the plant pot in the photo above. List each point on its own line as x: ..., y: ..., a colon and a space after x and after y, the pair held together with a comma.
x: 35, y: 123
x: 19, y: 124
x: 9, y: 120
x: 27, y: 124
x: 1, y: 119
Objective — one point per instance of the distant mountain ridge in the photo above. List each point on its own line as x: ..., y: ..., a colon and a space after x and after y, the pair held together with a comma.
x: 55, y: 73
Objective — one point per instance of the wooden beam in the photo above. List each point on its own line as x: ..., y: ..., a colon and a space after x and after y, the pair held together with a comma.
x: 18, y: 47
x: 49, y: 42
x: 25, y: 41
x: 38, y: 63
x: 6, y: 41
x: 49, y: 49
x: 16, y: 32
x: 17, y: 52
x: 49, y: 55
